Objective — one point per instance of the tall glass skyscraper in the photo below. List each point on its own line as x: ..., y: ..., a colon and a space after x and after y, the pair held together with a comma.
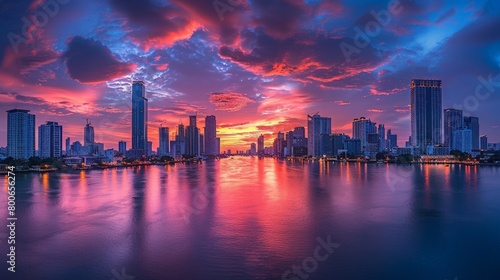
x: 210, y: 135
x: 20, y: 134
x: 164, y: 145
x: 192, y: 138
x: 50, y: 140
x: 453, y: 121
x: 88, y: 134
x: 139, y: 119
x: 426, y: 113
x: 260, y: 145
x: 316, y: 126
x: 361, y: 128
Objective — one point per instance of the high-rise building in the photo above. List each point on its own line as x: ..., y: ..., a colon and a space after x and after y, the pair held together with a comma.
x: 453, y: 121
x: 139, y: 119
x: 338, y: 143
x: 210, y: 136
x: 279, y: 150
x: 76, y: 148
x: 20, y: 134
x: 392, y: 139
x: 149, y: 148
x: 260, y: 145
x: 122, y: 147
x: 50, y: 140
x: 164, y: 141
x: 472, y: 123
x: 316, y: 126
x: 192, y: 138
x: 68, y: 146
x: 289, y: 143
x: 353, y: 147
x: 426, y: 113
x: 484, y: 142
x: 201, y: 144
x: 218, y: 145
x: 361, y: 128
x: 381, y: 135
x: 253, y: 149
x: 462, y: 140
x: 180, y: 140
x: 88, y: 134
x: 299, y: 144
x: 372, y: 145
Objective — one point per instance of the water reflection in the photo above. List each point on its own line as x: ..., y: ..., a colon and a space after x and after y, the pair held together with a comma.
x: 250, y: 218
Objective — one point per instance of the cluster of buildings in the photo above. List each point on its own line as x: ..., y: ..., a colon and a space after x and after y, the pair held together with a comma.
x: 430, y: 134
x: 367, y: 139
x: 188, y: 140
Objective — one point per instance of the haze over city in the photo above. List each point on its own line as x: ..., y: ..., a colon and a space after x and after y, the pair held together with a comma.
x: 257, y: 70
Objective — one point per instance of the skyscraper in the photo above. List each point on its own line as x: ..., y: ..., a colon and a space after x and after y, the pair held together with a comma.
x: 453, y: 121
x: 210, y: 136
x: 218, y: 146
x: 139, y: 119
x: 484, y: 142
x: 462, y: 140
x: 392, y: 139
x: 260, y: 145
x: 68, y: 146
x: 381, y: 134
x: 361, y: 128
x: 426, y: 113
x: 20, y: 134
x: 280, y: 145
x: 192, y: 137
x: 50, y: 140
x: 164, y: 141
x: 472, y: 123
x: 88, y: 134
x: 180, y: 140
x: 253, y: 149
x: 122, y: 147
x: 316, y: 126
x: 299, y: 144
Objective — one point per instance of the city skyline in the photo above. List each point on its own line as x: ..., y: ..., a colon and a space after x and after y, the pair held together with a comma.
x: 256, y: 76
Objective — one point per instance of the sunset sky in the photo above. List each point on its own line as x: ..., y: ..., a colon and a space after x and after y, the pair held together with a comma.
x: 259, y: 66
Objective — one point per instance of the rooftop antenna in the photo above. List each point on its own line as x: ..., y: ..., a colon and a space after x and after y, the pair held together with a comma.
x: 88, y: 123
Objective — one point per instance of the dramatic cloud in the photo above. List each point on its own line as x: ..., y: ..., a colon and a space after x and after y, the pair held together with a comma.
x: 229, y: 101
x: 89, y: 61
x: 151, y: 25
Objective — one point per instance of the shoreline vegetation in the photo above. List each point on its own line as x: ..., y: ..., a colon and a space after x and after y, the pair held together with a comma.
x: 57, y: 165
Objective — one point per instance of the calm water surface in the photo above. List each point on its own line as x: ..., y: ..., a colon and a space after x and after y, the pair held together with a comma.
x: 246, y: 218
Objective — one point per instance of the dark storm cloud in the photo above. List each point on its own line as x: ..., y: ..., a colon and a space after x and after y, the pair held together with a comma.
x: 89, y: 61
x: 154, y: 26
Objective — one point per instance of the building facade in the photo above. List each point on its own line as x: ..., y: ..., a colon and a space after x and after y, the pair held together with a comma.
x: 426, y: 113
x: 50, y: 140
x: 316, y: 126
x: 20, y: 134
x: 139, y: 119
x: 210, y: 136
x: 453, y: 121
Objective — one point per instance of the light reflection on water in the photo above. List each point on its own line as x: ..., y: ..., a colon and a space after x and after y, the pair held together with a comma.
x: 246, y: 218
